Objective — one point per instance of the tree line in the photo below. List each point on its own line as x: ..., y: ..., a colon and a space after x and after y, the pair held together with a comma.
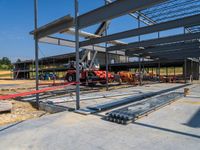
x: 5, y: 63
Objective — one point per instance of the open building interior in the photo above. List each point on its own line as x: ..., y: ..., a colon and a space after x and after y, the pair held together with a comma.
x: 140, y: 75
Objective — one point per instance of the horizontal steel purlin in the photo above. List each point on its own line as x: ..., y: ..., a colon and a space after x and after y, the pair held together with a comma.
x: 153, y: 42
x: 187, y: 21
x: 163, y: 48
x: 193, y: 53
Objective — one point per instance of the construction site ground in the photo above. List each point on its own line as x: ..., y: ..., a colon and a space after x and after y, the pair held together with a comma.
x: 20, y: 110
x: 176, y: 126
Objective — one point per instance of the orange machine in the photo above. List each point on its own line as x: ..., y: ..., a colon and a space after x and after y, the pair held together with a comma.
x: 127, y: 76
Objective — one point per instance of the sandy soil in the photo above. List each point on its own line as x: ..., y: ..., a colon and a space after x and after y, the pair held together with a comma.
x: 20, y: 111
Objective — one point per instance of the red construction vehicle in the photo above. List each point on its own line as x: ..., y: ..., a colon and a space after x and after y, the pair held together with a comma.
x: 92, y: 76
x: 89, y: 73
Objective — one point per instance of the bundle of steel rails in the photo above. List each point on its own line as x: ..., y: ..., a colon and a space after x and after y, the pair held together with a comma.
x: 133, y: 112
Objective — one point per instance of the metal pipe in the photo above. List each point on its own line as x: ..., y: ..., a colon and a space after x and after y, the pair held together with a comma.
x: 36, y: 50
x: 77, y: 56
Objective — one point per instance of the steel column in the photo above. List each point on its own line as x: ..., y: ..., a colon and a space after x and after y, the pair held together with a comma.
x: 77, y: 56
x: 36, y: 51
x: 140, y: 75
x: 174, y: 71
x: 106, y: 60
x: 159, y: 70
x: 138, y: 26
x: 192, y: 72
x: 185, y: 70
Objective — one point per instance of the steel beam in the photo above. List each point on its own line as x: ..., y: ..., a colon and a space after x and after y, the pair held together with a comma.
x: 187, y: 21
x: 193, y: 53
x: 104, y: 13
x: 70, y: 43
x: 113, y: 10
x: 138, y: 13
x: 153, y: 42
x: 178, y: 52
x: 56, y: 26
x: 170, y: 47
x: 88, y: 35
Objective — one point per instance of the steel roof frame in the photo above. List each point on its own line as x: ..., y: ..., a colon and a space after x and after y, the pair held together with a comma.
x: 119, y: 8
x: 153, y: 42
x: 115, y: 9
x: 187, y: 21
x: 169, y: 47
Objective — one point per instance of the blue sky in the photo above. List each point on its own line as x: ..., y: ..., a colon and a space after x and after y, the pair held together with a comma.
x: 17, y: 21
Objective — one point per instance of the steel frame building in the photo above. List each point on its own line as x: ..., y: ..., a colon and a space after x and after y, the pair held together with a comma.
x: 158, y: 15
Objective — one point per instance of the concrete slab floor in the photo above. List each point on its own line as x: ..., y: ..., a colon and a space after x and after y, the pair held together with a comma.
x: 176, y: 126
x: 69, y: 101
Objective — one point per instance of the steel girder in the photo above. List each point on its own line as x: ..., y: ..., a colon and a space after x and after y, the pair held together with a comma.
x: 104, y: 13
x: 170, y: 47
x: 180, y: 55
x: 187, y: 21
x: 153, y: 42
x: 113, y: 10
x: 70, y: 43
x: 56, y: 26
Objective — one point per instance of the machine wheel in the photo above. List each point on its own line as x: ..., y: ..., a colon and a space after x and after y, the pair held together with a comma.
x: 70, y: 77
x: 103, y: 82
x: 92, y: 84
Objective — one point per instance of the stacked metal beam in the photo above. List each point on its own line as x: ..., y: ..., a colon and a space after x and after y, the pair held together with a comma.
x: 131, y: 113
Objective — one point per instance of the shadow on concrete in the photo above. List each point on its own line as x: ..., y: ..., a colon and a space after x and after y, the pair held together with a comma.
x: 167, y: 130
x: 194, y: 121
x: 10, y: 126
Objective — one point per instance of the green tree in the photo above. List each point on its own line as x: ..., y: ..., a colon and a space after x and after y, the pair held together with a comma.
x: 5, y: 63
x: 18, y: 60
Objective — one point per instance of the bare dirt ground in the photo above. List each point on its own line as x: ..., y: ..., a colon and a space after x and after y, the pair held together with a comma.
x: 21, y: 111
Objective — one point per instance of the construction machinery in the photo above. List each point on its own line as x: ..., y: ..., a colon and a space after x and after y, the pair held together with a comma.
x: 127, y: 76
x: 89, y: 71
x: 88, y: 75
